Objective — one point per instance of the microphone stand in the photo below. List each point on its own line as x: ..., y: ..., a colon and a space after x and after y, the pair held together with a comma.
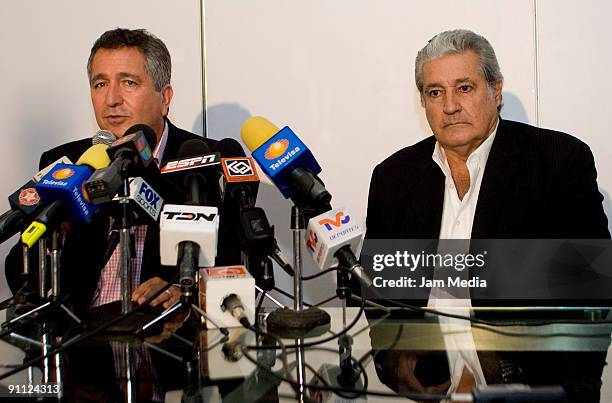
x: 125, y: 241
x: 25, y: 297
x: 55, y: 299
x: 185, y: 302
x: 42, y: 268
x: 298, y: 321
x: 188, y: 251
x: 343, y: 291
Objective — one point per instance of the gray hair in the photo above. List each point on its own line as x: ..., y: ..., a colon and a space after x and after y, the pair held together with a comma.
x: 157, y: 57
x: 454, y: 42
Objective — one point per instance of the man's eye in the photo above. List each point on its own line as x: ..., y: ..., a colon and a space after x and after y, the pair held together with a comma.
x: 98, y: 85
x: 465, y: 88
x: 130, y: 83
x: 434, y: 93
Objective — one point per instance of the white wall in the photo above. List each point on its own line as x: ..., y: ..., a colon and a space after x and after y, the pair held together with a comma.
x: 341, y: 74
x: 45, y: 94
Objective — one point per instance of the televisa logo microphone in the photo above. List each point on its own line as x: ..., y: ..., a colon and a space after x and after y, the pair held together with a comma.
x: 63, y: 186
x: 287, y: 161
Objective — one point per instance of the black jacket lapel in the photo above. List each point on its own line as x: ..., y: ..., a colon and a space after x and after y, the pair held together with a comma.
x: 499, y: 186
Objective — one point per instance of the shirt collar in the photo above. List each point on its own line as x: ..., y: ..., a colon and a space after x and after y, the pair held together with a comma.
x: 478, y: 156
x: 158, y: 154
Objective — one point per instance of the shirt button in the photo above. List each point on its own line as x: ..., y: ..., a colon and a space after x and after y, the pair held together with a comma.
x: 452, y: 186
x: 457, y: 222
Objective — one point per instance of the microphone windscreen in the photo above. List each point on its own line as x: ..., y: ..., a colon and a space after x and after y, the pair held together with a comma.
x: 230, y: 148
x: 193, y: 148
x: 95, y: 157
x: 256, y: 131
x: 103, y: 137
x: 148, y: 133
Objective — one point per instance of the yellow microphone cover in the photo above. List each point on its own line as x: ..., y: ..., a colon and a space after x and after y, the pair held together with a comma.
x: 95, y: 157
x: 256, y: 131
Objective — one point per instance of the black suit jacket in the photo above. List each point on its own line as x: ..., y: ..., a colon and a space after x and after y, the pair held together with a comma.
x: 537, y: 183
x: 84, y: 246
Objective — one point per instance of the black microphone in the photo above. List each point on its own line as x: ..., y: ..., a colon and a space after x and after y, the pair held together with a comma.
x: 195, y: 167
x: 130, y: 155
x: 195, y: 180
x: 241, y: 184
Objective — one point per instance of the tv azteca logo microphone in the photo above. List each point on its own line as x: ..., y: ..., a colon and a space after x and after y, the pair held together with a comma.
x: 340, y: 220
x: 312, y: 241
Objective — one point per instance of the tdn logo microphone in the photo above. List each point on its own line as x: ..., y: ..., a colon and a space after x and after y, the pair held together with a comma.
x: 340, y: 220
x: 312, y: 240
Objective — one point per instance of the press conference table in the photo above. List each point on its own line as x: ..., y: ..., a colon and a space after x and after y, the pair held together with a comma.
x: 203, y: 365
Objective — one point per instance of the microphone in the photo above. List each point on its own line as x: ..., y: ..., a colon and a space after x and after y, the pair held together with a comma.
x: 188, y: 233
x: 195, y: 167
x: 64, y: 185
x: 346, y: 375
x: 287, y: 161
x: 130, y: 154
x: 146, y: 203
x: 241, y: 183
x: 103, y: 137
x: 332, y: 238
x: 24, y: 203
x: 227, y: 294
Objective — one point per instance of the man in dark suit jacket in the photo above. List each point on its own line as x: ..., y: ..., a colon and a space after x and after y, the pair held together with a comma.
x: 537, y: 183
x: 129, y: 75
x: 482, y: 177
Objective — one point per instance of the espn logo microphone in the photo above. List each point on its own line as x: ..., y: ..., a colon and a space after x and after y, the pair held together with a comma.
x: 183, y: 164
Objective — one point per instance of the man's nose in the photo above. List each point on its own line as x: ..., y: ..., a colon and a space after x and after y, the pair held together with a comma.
x: 451, y: 103
x: 113, y: 95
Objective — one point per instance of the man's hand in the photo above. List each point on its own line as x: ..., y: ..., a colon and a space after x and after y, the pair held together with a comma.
x: 150, y: 287
x: 400, y: 365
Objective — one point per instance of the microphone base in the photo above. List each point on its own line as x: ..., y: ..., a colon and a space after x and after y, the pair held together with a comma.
x: 309, y: 322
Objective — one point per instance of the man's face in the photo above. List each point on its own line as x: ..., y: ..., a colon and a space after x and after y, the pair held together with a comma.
x: 123, y: 94
x: 459, y: 106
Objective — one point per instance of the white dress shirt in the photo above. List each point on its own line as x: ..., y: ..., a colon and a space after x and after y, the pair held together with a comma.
x: 457, y: 222
x: 109, y: 283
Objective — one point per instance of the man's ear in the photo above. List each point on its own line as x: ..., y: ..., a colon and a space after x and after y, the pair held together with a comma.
x: 167, y: 93
x: 497, y: 87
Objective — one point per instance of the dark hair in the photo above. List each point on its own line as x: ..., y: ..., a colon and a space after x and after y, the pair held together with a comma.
x: 157, y: 57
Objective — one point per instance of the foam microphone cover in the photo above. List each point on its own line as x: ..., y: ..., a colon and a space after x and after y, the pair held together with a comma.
x: 229, y: 148
x: 195, y: 148
x: 95, y: 157
x: 103, y: 137
x: 256, y: 130
x: 148, y: 133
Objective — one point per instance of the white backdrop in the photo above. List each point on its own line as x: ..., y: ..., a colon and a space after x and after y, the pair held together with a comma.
x: 341, y: 74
